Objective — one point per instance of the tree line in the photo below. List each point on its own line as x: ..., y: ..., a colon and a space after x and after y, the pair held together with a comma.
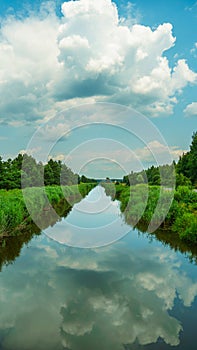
x: 33, y: 174
x: 187, y: 164
x: 184, y: 172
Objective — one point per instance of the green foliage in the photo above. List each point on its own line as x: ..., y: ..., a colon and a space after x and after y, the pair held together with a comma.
x: 182, y: 216
x: 156, y: 176
x: 187, y: 164
x: 138, y: 203
x: 182, y: 180
x: 185, y: 195
x: 184, y: 172
x: 14, y: 211
x: 33, y: 174
x: 186, y: 226
x: 85, y: 179
x: 110, y: 189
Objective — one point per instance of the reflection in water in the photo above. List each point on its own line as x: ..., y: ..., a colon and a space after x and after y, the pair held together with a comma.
x: 123, y: 296
x: 95, y: 299
x: 94, y: 222
x: 10, y: 247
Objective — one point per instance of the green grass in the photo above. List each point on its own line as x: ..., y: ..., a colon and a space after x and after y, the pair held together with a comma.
x: 14, y: 209
x: 185, y: 216
x: 138, y: 203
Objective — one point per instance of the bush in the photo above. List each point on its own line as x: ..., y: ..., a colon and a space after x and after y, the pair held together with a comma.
x: 186, y: 226
x: 182, y: 215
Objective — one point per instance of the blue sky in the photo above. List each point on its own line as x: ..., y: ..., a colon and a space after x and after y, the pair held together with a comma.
x: 54, y: 58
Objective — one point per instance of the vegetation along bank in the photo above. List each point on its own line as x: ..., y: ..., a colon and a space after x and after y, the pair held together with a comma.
x: 13, y: 210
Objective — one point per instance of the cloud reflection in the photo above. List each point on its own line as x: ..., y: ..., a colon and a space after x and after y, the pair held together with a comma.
x: 56, y: 297
x: 94, y: 222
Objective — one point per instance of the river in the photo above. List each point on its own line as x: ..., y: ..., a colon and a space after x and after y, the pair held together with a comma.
x: 127, y: 291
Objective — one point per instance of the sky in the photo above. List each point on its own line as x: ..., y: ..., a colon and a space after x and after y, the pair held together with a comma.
x: 135, y: 56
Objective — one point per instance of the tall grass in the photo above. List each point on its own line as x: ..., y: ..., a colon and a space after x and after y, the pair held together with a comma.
x: 12, y: 209
x: 185, y: 214
x: 138, y: 203
x: 15, y: 208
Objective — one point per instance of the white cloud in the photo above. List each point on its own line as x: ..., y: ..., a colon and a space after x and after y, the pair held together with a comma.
x: 57, y: 157
x: 48, y: 63
x: 154, y: 148
x: 191, y: 109
x: 31, y: 151
x: 28, y: 54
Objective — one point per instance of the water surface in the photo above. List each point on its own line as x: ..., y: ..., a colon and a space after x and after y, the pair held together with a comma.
x: 132, y: 294
x: 94, y: 222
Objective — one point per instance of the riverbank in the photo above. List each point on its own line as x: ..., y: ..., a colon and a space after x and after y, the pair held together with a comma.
x: 14, y: 215
x: 139, y: 206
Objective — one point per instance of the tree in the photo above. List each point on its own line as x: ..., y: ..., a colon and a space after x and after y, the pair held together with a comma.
x: 187, y: 164
x: 85, y: 179
x: 48, y: 175
x: 32, y: 173
x: 67, y: 176
x: 193, y: 159
x: 182, y: 180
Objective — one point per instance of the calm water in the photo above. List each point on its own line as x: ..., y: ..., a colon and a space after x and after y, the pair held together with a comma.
x: 132, y: 294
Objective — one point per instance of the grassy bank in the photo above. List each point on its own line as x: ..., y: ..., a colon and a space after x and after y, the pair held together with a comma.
x: 138, y: 206
x: 13, y: 208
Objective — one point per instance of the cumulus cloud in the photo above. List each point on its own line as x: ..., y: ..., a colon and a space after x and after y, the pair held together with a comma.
x: 119, y: 63
x: 191, y: 109
x: 27, y: 55
x: 48, y: 62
